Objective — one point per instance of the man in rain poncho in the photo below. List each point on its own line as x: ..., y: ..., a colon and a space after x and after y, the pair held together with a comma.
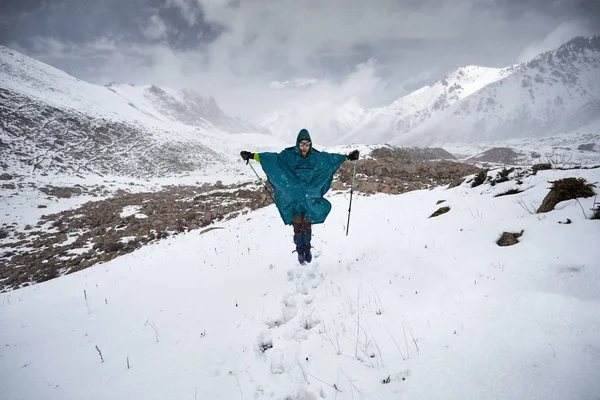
x: 300, y: 177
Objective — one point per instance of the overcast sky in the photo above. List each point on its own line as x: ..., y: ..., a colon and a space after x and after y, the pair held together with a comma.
x: 236, y: 50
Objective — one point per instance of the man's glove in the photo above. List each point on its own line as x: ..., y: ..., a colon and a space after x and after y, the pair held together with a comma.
x: 246, y: 155
x: 353, y: 156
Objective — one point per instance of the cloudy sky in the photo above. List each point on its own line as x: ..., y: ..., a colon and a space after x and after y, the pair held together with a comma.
x: 243, y: 51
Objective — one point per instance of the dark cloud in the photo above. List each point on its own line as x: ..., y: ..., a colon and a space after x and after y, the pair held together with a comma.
x: 82, y: 21
x: 233, y: 49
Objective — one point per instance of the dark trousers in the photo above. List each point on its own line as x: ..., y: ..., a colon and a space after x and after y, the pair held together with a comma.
x: 302, y: 233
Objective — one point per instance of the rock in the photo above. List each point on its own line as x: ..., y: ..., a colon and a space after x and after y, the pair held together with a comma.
x: 386, y: 189
x: 509, y: 239
x: 6, y: 177
x: 498, y: 155
x: 337, y: 185
x: 367, y: 186
x: 440, y: 211
x: 440, y: 202
x: 586, y: 147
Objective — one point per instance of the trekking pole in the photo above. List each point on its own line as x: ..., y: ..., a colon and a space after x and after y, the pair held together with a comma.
x: 351, y: 191
x: 261, y: 181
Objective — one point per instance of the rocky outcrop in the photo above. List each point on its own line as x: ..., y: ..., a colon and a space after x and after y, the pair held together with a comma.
x: 395, y: 175
x: 498, y: 155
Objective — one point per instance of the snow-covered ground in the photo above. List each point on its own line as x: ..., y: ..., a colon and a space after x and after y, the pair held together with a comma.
x: 560, y: 149
x: 404, y: 307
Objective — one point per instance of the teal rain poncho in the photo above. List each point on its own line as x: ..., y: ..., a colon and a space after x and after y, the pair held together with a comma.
x: 299, y: 183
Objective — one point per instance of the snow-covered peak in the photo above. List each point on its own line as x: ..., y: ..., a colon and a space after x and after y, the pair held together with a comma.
x: 385, y: 123
x: 457, y: 85
x: 558, y: 91
x: 166, y: 108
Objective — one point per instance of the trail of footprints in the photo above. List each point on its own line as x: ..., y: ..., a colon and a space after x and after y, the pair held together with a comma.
x: 280, y: 343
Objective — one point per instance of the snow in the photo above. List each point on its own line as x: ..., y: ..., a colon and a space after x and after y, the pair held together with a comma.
x: 169, y: 113
x: 430, y: 306
x: 557, y: 92
x: 561, y: 150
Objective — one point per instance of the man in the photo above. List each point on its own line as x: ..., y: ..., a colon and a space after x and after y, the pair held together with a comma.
x: 300, y: 177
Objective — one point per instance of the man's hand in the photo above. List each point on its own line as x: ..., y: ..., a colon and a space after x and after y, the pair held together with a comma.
x: 353, y: 156
x: 246, y: 155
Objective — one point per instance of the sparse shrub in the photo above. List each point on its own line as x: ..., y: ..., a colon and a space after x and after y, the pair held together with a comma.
x: 479, y: 178
x: 48, y: 273
x: 566, y: 189
x: 162, y: 235
x: 502, y: 176
x: 111, y: 247
x: 131, y: 245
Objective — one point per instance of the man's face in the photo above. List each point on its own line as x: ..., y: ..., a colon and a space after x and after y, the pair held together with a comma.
x: 304, y: 147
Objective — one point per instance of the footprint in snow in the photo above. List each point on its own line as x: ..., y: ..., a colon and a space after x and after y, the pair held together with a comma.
x: 288, y: 312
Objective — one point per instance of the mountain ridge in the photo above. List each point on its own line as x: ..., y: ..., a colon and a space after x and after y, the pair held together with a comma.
x: 436, y: 113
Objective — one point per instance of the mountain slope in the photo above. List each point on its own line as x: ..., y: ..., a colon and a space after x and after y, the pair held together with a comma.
x: 406, y: 306
x: 149, y: 105
x: 386, y: 123
x: 558, y: 91
x: 53, y: 122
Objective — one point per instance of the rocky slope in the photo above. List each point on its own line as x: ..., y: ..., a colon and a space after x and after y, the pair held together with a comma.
x: 54, y: 123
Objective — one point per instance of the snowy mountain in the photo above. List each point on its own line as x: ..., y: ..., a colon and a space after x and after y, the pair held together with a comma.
x: 386, y: 123
x: 55, y: 122
x: 557, y: 92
